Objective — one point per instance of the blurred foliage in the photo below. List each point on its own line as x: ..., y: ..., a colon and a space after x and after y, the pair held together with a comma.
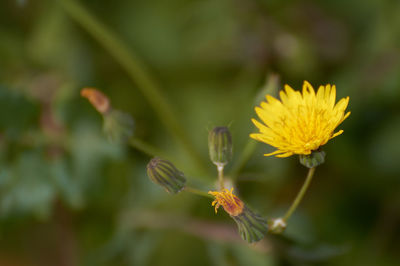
x: 68, y: 196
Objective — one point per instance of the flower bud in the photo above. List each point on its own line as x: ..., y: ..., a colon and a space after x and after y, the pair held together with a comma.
x: 313, y: 160
x: 220, y: 145
x: 252, y: 227
x: 277, y: 226
x: 165, y: 174
x: 97, y: 99
x: 118, y: 126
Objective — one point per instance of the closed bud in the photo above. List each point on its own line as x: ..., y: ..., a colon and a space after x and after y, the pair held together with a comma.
x: 118, y: 126
x: 220, y: 145
x: 313, y: 160
x: 99, y: 101
x: 165, y: 174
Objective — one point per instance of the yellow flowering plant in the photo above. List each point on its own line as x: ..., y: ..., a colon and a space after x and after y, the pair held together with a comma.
x: 299, y: 123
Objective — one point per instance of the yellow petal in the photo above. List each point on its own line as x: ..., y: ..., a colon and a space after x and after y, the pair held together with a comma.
x: 299, y: 123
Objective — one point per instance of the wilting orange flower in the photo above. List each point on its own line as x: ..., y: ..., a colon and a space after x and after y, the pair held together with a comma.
x: 300, y: 123
x: 225, y: 198
x: 252, y: 227
x: 97, y: 99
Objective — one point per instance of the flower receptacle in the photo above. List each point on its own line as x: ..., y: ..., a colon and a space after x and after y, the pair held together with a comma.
x: 314, y: 159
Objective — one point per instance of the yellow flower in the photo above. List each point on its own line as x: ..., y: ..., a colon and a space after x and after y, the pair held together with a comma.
x: 300, y: 122
x: 231, y: 203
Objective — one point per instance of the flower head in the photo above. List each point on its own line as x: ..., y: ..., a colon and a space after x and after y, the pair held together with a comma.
x: 300, y: 123
x: 252, y: 227
x: 225, y: 198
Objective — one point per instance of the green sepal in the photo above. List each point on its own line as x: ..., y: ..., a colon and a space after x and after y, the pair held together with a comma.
x: 118, y: 126
x: 252, y: 227
x: 313, y: 160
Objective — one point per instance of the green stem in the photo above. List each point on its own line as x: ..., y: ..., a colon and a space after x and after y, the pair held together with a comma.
x: 300, y: 195
x: 146, y: 148
x: 136, y: 71
x: 153, y: 152
x: 197, y: 192
x: 220, y: 169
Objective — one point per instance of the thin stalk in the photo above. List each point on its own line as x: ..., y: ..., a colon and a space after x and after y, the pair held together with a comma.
x: 197, y: 192
x: 152, y: 151
x: 136, y: 71
x: 300, y: 195
x: 220, y: 169
x: 146, y: 148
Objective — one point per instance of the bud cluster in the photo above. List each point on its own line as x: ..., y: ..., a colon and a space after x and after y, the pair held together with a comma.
x: 252, y: 227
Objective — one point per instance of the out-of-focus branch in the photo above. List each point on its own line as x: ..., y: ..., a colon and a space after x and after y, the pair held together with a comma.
x: 136, y: 71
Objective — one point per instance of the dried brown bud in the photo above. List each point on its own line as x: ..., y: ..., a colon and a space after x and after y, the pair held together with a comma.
x: 98, y: 99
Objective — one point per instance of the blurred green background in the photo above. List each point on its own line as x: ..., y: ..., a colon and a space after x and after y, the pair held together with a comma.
x: 68, y: 196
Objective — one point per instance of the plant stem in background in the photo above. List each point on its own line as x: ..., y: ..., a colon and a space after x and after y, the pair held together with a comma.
x: 147, y: 148
x: 135, y: 69
x: 248, y: 150
x: 270, y: 87
x: 197, y: 192
x: 300, y: 195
